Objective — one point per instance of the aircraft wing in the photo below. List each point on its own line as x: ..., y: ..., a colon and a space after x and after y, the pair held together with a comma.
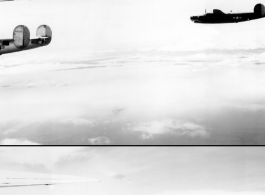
x: 20, y: 179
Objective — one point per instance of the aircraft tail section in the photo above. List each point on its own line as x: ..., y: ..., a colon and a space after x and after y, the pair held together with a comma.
x: 44, y: 31
x: 21, y: 36
x: 44, y: 34
x: 21, y: 39
x: 259, y: 9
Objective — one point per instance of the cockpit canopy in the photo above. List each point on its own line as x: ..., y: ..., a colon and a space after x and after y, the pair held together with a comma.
x: 217, y: 11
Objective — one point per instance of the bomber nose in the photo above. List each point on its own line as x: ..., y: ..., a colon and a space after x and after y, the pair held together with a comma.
x: 192, y: 18
x: 195, y: 19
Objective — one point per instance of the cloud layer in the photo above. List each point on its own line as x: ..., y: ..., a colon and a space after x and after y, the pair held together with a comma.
x: 133, y: 97
x: 179, y: 128
x: 137, y: 79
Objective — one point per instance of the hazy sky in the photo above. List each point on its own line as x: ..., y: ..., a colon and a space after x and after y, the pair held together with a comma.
x: 149, y: 171
x: 133, y: 72
x: 110, y: 24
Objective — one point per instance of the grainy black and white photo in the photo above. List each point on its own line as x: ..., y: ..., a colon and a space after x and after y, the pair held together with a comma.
x: 133, y: 72
x: 132, y: 170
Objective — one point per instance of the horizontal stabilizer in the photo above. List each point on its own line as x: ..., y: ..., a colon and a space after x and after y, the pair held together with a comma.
x: 217, y: 11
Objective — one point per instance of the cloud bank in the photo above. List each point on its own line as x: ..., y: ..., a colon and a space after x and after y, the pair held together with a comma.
x: 146, y: 95
x: 179, y: 128
x: 136, y: 78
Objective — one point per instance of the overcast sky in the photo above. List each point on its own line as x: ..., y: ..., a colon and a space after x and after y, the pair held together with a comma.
x: 133, y: 72
x: 149, y: 171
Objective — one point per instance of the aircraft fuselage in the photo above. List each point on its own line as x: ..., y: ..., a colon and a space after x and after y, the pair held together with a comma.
x: 225, y: 18
x: 218, y: 17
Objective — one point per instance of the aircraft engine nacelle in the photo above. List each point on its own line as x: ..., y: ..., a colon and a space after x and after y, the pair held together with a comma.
x: 44, y: 33
x: 21, y: 36
x: 259, y: 9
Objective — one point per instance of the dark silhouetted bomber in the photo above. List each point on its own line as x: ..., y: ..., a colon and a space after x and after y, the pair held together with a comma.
x: 218, y: 17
